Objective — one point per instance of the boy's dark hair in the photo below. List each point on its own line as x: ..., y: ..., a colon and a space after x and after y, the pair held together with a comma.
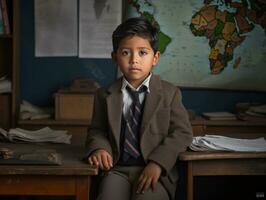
x: 137, y: 26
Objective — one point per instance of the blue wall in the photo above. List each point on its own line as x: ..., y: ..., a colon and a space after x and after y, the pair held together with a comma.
x: 42, y: 77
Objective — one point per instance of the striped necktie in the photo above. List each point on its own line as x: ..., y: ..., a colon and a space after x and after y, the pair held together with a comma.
x: 133, y: 122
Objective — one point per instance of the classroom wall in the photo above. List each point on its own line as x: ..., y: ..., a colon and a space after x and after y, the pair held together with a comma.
x: 40, y: 78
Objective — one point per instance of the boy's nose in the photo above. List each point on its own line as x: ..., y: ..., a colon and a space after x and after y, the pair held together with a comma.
x: 134, y: 58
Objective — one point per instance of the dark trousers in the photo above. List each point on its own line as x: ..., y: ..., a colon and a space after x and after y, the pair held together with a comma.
x: 121, y: 183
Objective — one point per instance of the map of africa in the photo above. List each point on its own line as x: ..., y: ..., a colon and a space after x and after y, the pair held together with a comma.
x: 209, y: 44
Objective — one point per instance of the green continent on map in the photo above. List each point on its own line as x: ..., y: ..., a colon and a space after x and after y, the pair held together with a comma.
x: 164, y: 39
x: 224, y: 30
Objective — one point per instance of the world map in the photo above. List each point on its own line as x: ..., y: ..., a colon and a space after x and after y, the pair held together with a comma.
x: 224, y: 29
x: 209, y: 44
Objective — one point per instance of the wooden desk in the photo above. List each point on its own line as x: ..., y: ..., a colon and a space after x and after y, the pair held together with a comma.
x: 221, y: 163
x: 203, y: 126
x: 72, y: 178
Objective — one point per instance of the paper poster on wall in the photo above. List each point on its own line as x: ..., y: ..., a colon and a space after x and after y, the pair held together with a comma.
x: 97, y: 21
x: 56, y: 28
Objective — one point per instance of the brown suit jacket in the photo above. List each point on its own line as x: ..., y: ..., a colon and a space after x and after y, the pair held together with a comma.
x: 165, y: 130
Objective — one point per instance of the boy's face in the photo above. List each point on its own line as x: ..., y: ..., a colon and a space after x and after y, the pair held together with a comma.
x: 135, y: 58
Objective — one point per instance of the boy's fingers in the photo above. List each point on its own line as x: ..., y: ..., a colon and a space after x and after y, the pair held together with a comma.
x: 100, y: 162
x: 102, y: 159
x: 110, y: 161
x: 141, y: 178
x: 90, y: 161
x: 142, y: 181
x: 147, y: 185
x: 105, y: 162
x: 94, y: 160
x: 153, y: 184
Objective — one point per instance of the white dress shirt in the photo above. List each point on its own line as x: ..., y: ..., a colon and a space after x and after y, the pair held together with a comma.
x: 127, y: 100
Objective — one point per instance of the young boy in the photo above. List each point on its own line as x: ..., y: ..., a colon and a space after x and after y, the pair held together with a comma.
x: 139, y: 124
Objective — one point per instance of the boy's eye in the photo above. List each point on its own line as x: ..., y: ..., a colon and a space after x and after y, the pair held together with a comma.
x: 125, y: 52
x: 143, y: 53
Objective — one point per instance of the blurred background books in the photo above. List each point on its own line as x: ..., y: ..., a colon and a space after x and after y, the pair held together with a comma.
x: 251, y: 112
x: 243, y: 111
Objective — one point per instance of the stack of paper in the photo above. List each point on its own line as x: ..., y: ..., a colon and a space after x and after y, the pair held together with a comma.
x: 5, y: 85
x: 29, y: 111
x: 219, y: 115
x: 254, y: 113
x: 258, y: 109
x: 43, y: 135
x: 217, y: 142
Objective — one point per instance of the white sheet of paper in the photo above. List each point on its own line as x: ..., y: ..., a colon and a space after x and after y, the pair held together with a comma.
x: 218, y: 142
x: 237, y: 144
x: 97, y: 21
x: 56, y: 24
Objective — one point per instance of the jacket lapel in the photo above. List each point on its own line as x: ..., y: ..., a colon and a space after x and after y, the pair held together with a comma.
x: 114, y: 109
x: 152, y: 102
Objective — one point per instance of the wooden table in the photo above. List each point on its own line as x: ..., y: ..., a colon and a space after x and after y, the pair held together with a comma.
x: 221, y: 163
x: 203, y: 126
x: 72, y: 178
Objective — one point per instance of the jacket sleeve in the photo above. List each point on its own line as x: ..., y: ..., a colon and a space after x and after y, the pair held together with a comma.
x: 97, y: 134
x: 178, y: 138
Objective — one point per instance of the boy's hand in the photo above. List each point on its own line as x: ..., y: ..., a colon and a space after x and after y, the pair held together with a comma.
x: 149, y: 177
x: 101, y: 158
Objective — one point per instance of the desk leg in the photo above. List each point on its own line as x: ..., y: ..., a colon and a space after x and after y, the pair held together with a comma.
x: 83, y: 188
x: 189, y: 181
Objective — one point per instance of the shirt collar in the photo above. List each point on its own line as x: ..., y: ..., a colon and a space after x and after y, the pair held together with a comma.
x: 146, y: 82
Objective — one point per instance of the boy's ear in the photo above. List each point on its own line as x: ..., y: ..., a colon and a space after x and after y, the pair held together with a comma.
x: 156, y: 57
x: 113, y: 54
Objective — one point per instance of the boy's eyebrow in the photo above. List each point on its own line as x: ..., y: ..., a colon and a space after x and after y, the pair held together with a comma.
x: 148, y: 48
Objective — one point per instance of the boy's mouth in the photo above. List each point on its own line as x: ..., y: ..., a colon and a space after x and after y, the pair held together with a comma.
x: 134, y: 69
